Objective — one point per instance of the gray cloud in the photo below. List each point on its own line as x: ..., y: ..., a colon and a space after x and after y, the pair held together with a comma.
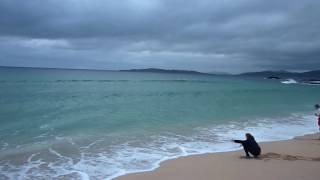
x: 207, y: 35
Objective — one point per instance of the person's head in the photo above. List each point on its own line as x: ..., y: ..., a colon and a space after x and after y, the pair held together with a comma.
x: 249, y: 136
x: 317, y: 106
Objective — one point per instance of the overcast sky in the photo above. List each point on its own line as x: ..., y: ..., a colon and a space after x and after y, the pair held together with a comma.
x: 205, y: 35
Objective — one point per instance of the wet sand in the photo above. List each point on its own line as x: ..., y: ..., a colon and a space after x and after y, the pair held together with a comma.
x: 296, y: 159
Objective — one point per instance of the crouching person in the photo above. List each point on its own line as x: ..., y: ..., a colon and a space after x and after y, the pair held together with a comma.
x: 250, y: 146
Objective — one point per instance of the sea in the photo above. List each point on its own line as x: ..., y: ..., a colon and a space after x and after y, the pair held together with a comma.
x: 85, y: 124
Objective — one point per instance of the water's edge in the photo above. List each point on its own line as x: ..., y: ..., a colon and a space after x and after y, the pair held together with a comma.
x: 158, y: 164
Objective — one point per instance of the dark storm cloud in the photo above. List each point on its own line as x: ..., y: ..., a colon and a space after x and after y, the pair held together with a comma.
x: 206, y: 35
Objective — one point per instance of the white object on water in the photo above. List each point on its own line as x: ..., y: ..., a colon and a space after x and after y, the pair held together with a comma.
x: 289, y: 81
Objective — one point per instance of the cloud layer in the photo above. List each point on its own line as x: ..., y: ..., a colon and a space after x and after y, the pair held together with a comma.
x: 207, y: 35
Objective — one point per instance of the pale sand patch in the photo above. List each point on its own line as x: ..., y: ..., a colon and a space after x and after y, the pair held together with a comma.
x: 296, y: 159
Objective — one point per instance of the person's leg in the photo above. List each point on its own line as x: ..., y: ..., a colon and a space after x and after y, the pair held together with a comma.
x: 255, y: 152
x: 245, y: 148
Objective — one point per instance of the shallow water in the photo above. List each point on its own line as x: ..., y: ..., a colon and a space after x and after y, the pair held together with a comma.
x: 78, y: 124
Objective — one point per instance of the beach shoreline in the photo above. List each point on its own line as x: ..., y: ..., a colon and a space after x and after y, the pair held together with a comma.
x: 296, y: 158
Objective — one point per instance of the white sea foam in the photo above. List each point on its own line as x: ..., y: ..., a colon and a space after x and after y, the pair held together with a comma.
x: 98, y: 162
x: 289, y: 81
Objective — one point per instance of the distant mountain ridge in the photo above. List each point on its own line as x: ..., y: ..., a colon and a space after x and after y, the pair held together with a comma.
x: 307, y: 74
x: 282, y: 74
x: 156, y: 70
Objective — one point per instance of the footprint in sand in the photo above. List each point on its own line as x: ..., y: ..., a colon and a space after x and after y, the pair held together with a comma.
x: 271, y: 155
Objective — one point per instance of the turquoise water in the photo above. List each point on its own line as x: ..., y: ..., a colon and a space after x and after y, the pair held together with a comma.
x: 79, y: 124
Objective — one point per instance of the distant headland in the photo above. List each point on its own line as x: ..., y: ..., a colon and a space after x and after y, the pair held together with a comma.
x: 156, y: 70
x: 284, y: 74
x: 271, y: 74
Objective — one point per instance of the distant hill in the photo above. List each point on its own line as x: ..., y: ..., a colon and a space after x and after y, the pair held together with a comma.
x: 315, y: 73
x: 284, y: 74
x: 155, y: 70
x: 219, y: 73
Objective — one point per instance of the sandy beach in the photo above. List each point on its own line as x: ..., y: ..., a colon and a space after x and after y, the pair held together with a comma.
x: 296, y: 159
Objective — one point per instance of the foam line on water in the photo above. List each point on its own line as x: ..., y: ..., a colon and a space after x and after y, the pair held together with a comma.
x: 261, y: 131
x: 227, y: 146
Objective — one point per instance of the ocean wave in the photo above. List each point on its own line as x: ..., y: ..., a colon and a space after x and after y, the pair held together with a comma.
x: 100, y: 160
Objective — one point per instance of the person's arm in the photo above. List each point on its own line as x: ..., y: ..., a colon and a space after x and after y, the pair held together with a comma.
x: 238, y: 141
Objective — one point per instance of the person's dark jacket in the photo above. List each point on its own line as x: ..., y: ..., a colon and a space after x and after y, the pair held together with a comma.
x: 250, y: 145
